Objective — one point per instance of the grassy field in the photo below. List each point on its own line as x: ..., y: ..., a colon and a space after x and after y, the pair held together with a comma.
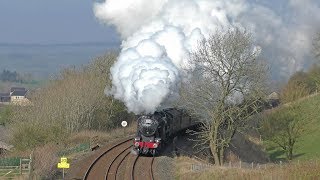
x: 308, y: 145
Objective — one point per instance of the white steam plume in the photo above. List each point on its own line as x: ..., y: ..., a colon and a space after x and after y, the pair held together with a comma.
x: 158, y: 35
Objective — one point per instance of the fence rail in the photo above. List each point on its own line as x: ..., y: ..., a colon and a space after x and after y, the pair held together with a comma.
x: 204, y: 165
x: 254, y: 165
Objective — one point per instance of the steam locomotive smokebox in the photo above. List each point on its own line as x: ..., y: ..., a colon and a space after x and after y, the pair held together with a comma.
x: 159, y: 127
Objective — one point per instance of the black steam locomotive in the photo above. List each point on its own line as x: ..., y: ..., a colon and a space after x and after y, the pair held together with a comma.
x: 155, y: 129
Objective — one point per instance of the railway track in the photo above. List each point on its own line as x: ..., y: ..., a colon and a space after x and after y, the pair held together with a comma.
x: 117, y: 162
x: 142, y: 168
x: 101, y: 166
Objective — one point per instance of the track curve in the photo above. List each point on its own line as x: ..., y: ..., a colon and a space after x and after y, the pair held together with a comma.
x: 142, y: 168
x: 113, y: 168
x: 117, y: 162
x: 100, y: 167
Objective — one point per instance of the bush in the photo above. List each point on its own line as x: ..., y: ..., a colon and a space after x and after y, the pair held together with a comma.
x: 28, y: 135
x: 5, y: 115
x: 72, y: 102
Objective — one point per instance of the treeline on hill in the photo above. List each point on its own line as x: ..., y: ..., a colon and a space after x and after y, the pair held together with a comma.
x: 72, y: 102
x: 13, y: 76
x: 301, y: 84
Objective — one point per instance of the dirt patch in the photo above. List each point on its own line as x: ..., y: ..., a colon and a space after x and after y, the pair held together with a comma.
x: 246, y: 149
x: 242, y: 148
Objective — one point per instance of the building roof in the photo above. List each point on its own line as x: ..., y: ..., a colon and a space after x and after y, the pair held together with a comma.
x: 19, y: 93
x: 5, y: 97
x: 17, y: 89
x: 4, y: 94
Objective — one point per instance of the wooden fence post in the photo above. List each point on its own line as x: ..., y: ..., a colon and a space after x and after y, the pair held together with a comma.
x: 31, y: 165
x: 20, y: 167
x: 240, y: 164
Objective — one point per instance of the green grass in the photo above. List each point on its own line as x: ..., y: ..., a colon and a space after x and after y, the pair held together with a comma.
x: 13, y: 161
x: 308, y: 145
x: 84, y: 147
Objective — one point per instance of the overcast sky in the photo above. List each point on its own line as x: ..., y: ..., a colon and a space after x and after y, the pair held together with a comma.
x: 51, y: 21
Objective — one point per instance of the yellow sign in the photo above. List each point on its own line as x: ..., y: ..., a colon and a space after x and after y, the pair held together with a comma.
x: 63, y: 163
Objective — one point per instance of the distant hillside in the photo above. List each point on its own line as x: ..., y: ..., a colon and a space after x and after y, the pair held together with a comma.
x: 45, y: 60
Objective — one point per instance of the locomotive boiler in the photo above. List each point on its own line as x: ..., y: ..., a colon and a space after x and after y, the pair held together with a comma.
x: 154, y: 130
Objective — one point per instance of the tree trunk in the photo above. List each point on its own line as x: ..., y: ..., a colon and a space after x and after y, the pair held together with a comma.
x: 290, y: 153
x: 215, y: 153
x: 214, y: 145
x: 221, y: 157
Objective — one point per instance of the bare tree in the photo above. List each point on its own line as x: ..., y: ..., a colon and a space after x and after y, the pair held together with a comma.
x: 316, y: 46
x: 284, y: 127
x: 72, y: 102
x: 224, y: 87
x: 314, y: 73
x: 292, y: 92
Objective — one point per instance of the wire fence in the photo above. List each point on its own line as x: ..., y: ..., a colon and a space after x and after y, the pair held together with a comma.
x: 84, y: 147
x: 252, y: 171
x: 204, y: 165
x: 257, y: 166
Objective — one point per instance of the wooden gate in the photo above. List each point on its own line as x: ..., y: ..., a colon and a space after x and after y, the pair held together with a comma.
x: 24, y: 167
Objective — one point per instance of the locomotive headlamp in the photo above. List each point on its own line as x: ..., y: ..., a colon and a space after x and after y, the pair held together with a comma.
x: 155, y: 145
x: 136, y: 144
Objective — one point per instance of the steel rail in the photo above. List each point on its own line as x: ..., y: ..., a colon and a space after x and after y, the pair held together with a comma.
x: 114, y: 159
x: 104, y: 153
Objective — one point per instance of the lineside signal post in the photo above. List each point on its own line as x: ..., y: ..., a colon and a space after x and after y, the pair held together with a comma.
x: 63, y: 164
x: 124, y: 125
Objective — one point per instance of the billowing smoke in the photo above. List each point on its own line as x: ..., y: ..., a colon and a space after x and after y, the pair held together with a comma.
x: 158, y: 35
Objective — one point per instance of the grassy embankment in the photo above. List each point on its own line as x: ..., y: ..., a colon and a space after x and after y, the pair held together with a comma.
x: 305, y: 165
x: 302, y: 170
x: 308, y: 145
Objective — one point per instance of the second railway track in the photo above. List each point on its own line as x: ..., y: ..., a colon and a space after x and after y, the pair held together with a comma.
x: 118, y: 163
x: 101, y: 165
